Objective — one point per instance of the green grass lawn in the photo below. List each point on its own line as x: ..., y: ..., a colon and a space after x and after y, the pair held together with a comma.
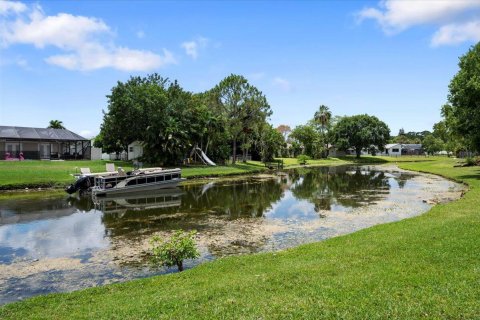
x: 19, y: 175
x: 208, y: 171
x: 293, y: 162
x: 36, y: 173
x: 427, y: 267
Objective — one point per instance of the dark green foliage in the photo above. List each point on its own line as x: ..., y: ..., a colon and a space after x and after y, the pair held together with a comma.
x: 270, y: 143
x: 432, y: 144
x: 310, y: 139
x: 410, y: 137
x: 359, y: 132
x: 244, y: 109
x: 56, y: 124
x: 463, y: 114
x: 170, y: 121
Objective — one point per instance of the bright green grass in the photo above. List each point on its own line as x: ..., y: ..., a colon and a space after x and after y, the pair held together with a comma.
x: 36, y: 173
x: 208, y: 171
x: 293, y: 162
x: 19, y: 175
x: 427, y: 267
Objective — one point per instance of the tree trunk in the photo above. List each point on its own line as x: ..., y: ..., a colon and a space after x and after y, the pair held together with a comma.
x: 359, y: 152
x: 244, y: 150
x: 180, y: 266
x: 234, y: 156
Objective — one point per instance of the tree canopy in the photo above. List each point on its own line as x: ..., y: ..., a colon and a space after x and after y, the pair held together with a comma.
x: 244, y: 108
x: 463, y: 113
x: 170, y: 121
x: 359, y: 132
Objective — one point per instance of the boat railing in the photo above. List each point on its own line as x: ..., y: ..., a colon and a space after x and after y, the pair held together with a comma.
x: 138, y: 177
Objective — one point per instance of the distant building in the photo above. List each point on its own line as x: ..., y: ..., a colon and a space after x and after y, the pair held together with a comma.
x: 42, y: 143
x: 135, y: 150
x: 399, y: 149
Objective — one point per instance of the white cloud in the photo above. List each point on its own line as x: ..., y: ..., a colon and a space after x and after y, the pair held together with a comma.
x: 80, y: 40
x: 457, y: 33
x: 282, y: 83
x: 394, y: 16
x: 192, y: 47
x: 87, y: 134
x: 95, y: 56
x: 7, y: 7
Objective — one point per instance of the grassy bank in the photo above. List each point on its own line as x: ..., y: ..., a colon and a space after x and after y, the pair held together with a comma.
x: 46, y: 174
x: 423, y: 267
x: 16, y: 175
x: 57, y: 174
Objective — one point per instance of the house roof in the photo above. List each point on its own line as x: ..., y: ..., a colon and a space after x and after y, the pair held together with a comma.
x: 10, y: 132
x: 412, y: 146
x: 391, y: 145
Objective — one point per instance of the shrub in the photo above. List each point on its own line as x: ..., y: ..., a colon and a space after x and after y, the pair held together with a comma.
x: 302, y: 159
x: 469, y: 161
x: 173, y: 251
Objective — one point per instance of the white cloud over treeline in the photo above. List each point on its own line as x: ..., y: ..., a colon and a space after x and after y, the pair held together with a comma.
x: 84, y: 43
x: 457, y: 21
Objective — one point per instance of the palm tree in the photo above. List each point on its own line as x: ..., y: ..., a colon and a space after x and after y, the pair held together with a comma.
x: 56, y: 124
x: 322, y: 118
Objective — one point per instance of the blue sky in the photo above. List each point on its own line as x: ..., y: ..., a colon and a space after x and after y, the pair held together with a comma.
x: 392, y: 59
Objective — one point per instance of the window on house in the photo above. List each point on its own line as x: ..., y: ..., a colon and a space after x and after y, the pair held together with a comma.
x: 395, y: 150
x: 130, y: 149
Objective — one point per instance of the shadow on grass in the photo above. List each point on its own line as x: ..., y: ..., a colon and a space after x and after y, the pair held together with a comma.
x: 475, y: 175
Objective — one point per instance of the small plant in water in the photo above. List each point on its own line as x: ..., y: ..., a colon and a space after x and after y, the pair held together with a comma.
x: 173, y: 251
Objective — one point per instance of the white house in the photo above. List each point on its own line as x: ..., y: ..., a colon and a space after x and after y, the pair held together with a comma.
x: 393, y: 149
x: 398, y: 149
x: 135, y: 150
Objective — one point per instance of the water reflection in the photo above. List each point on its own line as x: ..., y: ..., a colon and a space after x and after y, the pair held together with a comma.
x: 59, y: 227
x: 232, y: 216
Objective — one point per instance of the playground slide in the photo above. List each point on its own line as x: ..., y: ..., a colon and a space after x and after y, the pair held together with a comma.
x: 205, y: 158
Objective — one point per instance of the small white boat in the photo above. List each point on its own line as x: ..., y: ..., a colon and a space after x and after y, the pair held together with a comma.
x: 138, y: 180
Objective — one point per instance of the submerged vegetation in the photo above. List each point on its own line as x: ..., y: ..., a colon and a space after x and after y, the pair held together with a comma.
x: 425, y: 266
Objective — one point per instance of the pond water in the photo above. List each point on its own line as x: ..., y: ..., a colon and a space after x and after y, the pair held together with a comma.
x: 66, y: 243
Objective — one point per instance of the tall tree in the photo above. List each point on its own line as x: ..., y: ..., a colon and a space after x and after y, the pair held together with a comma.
x: 322, y: 119
x: 464, y: 98
x: 243, y: 107
x: 359, y: 132
x: 56, y: 124
x: 284, y: 129
x: 309, y: 138
x: 432, y: 144
x: 271, y: 140
x: 130, y: 108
